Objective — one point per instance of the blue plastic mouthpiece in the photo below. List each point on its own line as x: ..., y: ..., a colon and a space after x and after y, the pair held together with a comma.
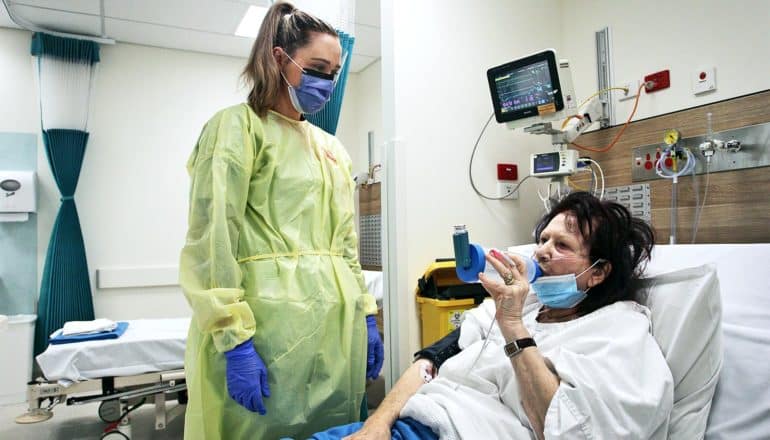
x: 478, y: 264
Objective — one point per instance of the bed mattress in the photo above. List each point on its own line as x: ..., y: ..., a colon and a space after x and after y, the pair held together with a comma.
x: 148, y: 345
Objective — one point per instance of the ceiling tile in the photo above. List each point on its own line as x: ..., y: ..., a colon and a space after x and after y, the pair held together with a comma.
x: 59, y: 21
x: 80, y: 6
x: 194, y: 25
x: 5, y: 19
x: 207, y: 15
x: 175, y: 38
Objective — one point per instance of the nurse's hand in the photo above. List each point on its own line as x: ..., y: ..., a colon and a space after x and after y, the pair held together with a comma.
x: 375, y: 352
x: 510, y: 294
x: 247, y: 377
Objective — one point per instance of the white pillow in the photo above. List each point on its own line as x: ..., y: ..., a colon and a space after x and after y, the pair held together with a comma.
x: 686, y: 320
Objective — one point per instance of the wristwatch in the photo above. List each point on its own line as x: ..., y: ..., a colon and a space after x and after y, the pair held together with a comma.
x: 515, y: 347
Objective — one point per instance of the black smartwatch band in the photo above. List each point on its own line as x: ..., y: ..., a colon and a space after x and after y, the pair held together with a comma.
x: 515, y: 347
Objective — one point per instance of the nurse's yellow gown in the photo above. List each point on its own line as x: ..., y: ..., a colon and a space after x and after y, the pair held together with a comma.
x: 271, y: 255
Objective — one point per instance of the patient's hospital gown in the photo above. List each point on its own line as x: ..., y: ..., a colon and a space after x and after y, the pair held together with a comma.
x: 615, y: 383
x: 271, y: 254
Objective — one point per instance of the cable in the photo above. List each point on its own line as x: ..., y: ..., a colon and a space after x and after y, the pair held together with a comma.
x: 601, y: 172
x: 620, y: 133
x: 576, y: 186
x: 703, y: 203
x: 585, y: 101
x: 470, y: 168
x: 114, y: 425
x: 545, y: 199
x: 662, y: 172
x: 625, y: 89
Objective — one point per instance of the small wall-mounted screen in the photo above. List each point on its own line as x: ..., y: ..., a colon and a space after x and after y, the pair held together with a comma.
x: 545, y: 163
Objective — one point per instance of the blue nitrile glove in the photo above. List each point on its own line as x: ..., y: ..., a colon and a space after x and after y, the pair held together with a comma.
x: 247, y: 377
x: 375, y: 353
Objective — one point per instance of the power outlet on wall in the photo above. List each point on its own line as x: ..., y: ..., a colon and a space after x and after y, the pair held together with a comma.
x: 505, y: 188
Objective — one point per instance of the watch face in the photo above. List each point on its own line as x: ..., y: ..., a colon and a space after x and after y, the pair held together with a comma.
x: 511, y: 348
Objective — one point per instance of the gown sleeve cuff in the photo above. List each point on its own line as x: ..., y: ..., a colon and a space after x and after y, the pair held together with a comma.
x: 232, y: 321
x: 370, y: 304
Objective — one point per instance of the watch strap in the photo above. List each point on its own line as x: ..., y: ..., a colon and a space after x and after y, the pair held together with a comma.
x: 515, y: 347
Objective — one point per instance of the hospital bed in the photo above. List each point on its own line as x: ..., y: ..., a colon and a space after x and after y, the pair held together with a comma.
x: 710, y: 307
x: 144, y: 365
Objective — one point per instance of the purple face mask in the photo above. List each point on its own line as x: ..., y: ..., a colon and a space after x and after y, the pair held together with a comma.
x: 314, y: 90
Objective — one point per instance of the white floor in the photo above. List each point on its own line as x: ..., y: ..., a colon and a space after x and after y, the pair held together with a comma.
x: 82, y: 422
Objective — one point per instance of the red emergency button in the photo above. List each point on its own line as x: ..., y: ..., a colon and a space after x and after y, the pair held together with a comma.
x: 702, y: 76
x: 668, y: 162
x: 648, y: 165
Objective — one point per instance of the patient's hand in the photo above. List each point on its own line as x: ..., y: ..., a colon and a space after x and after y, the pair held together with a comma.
x: 371, y: 432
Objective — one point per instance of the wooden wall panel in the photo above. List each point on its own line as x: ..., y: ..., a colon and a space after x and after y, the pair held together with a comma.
x: 737, y: 206
x: 369, y: 199
x: 369, y: 203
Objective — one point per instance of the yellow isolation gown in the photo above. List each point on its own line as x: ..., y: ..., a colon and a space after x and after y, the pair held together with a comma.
x: 271, y: 255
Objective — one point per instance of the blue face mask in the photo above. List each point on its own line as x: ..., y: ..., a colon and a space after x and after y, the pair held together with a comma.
x: 314, y: 90
x: 560, y: 291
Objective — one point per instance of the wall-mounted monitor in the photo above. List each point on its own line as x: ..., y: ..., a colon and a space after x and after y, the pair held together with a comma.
x: 532, y: 89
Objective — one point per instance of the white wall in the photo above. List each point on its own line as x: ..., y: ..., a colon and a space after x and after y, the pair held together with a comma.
x: 441, y: 51
x: 361, y: 113
x: 148, y: 109
x: 685, y: 35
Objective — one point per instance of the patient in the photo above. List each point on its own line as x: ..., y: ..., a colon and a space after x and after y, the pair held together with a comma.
x: 575, y: 359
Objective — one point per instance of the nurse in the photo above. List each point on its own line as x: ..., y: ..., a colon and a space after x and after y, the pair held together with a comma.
x: 283, y: 335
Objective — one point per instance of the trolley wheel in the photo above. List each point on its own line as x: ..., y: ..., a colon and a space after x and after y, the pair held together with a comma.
x: 109, y: 411
x: 114, y: 435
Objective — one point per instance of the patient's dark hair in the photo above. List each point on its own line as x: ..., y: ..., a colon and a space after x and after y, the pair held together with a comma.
x: 612, y: 234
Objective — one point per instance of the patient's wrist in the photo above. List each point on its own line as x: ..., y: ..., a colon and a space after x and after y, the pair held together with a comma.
x: 514, y: 330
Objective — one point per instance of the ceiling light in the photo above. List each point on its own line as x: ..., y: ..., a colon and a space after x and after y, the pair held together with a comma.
x: 249, y: 26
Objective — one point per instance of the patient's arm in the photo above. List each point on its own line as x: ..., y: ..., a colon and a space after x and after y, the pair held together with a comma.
x: 536, y: 379
x: 429, y: 359
x: 378, y: 425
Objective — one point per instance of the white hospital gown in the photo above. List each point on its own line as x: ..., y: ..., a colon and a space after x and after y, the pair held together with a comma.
x: 615, y: 383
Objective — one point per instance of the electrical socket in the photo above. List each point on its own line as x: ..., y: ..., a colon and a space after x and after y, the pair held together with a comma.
x: 505, y: 187
x: 633, y: 88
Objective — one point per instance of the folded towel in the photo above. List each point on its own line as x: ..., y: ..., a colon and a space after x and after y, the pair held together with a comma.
x: 83, y: 327
x: 59, y: 338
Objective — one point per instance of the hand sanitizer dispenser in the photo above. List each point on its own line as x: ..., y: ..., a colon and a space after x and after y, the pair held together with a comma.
x: 18, y: 195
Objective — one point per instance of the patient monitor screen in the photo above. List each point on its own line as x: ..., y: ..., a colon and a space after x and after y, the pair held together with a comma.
x: 526, y: 87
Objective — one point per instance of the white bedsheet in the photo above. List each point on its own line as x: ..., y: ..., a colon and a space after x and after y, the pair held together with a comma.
x: 373, y: 280
x: 148, y: 345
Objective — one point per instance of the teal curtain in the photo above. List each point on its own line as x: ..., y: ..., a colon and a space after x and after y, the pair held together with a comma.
x: 65, y: 291
x: 329, y: 116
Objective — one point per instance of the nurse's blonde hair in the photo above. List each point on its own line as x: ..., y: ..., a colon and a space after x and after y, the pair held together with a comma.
x: 284, y: 26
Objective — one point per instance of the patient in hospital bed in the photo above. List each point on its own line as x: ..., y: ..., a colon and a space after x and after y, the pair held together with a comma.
x: 576, y: 359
